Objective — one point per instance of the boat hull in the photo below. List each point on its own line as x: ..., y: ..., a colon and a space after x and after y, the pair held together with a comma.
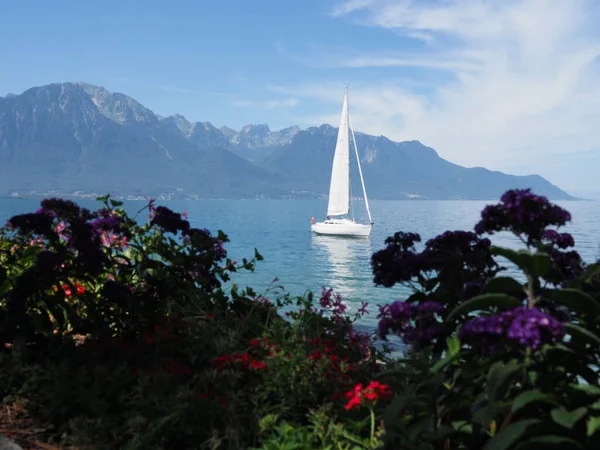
x: 346, y: 228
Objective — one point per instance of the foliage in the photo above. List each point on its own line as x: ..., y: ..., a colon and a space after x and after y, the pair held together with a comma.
x: 120, y: 335
x: 500, y: 363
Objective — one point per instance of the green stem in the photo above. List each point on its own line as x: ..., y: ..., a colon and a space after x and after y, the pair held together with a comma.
x: 372, y: 424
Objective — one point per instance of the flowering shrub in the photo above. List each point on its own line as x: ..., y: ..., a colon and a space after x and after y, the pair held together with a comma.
x: 495, y: 363
x: 119, y: 335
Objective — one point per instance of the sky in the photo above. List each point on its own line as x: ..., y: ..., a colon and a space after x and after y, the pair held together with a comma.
x: 510, y: 85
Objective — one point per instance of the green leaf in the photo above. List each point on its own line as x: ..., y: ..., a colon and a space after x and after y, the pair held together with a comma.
x: 567, y: 418
x: 593, y: 423
x: 257, y: 255
x: 576, y: 300
x: 542, y: 263
x: 504, y: 285
x: 484, y: 301
x: 587, y: 388
x: 464, y: 426
x: 509, y: 435
x: 581, y: 333
x: 453, y: 344
x: 499, y: 379
x: 525, y: 398
x: 443, y: 362
x: 116, y: 203
x: 535, y: 264
x: 538, y: 442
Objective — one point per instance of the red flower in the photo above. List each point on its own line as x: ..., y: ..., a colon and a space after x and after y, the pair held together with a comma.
x: 80, y: 289
x: 315, y: 355
x: 255, y: 343
x: 257, y: 364
x: 373, y: 392
x: 209, y: 315
x: 223, y: 401
x: 67, y: 290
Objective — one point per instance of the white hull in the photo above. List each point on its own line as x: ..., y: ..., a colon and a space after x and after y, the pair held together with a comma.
x: 341, y: 228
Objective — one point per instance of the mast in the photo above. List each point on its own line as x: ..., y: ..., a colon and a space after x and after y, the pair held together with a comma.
x: 362, y: 181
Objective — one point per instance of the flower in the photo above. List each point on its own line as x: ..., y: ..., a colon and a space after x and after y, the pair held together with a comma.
x: 67, y: 290
x: 523, y: 213
x: 363, y: 308
x: 372, y: 393
x: 561, y: 240
x: 110, y: 223
x: 529, y: 327
x: 61, y: 208
x: 569, y: 264
x: 417, y: 324
x: 169, y: 220
x: 257, y: 364
x: 32, y: 223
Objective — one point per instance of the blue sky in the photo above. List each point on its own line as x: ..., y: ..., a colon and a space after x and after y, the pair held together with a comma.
x: 510, y: 85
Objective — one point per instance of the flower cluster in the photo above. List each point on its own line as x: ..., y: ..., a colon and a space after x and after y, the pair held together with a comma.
x: 561, y: 240
x: 457, y: 257
x: 324, y: 354
x: 332, y: 302
x: 569, y: 265
x: 523, y: 213
x: 418, y: 325
x: 368, y: 395
x: 243, y: 360
x: 529, y: 327
x: 169, y: 220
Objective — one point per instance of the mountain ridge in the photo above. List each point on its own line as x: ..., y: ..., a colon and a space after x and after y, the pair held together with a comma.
x: 80, y: 138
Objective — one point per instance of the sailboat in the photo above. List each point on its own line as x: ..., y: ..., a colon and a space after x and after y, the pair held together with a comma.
x: 340, y: 221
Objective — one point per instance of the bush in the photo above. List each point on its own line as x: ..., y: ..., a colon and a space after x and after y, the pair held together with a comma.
x: 120, y: 335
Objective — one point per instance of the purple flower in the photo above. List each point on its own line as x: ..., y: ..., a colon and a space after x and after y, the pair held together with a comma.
x: 561, y: 240
x: 416, y: 324
x: 523, y: 213
x: 107, y: 223
x: 169, y: 220
x: 529, y: 327
x: 61, y: 208
x: 363, y: 308
x: 32, y: 223
x: 47, y: 212
x: 401, y: 311
x: 568, y: 264
x: 429, y: 307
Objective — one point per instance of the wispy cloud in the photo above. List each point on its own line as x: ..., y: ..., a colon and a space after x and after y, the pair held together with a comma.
x: 521, y: 85
x: 290, y: 102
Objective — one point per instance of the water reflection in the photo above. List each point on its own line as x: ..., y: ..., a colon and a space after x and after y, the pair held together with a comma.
x: 345, y: 264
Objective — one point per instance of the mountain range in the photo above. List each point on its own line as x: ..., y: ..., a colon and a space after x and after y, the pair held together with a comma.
x: 78, y: 139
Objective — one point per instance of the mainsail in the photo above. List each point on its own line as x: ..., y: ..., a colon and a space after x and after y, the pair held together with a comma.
x: 339, y: 189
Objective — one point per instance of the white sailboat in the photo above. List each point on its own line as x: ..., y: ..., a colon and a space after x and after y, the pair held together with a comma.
x: 340, y: 221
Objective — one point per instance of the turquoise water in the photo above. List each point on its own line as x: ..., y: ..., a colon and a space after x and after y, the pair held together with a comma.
x: 280, y: 230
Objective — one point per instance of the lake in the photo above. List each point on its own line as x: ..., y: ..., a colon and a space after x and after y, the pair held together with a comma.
x: 280, y: 230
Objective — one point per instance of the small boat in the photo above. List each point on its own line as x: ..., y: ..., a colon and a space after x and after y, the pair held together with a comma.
x: 340, y: 221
